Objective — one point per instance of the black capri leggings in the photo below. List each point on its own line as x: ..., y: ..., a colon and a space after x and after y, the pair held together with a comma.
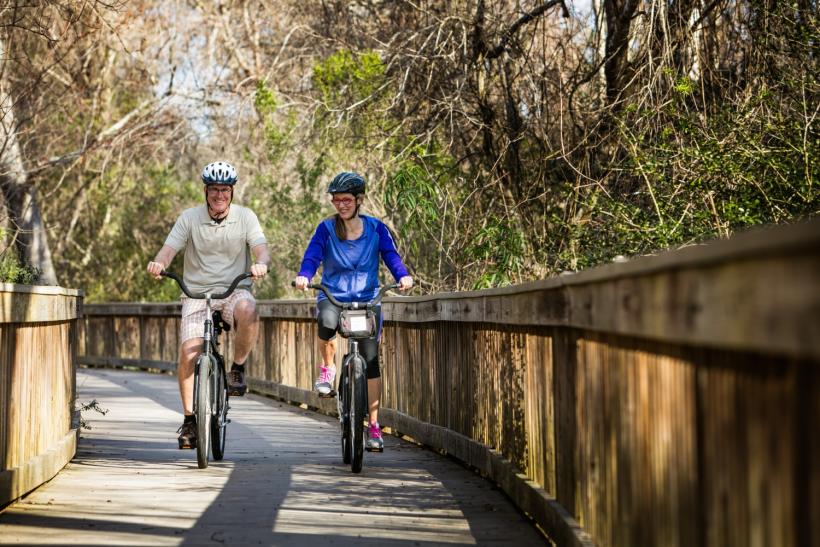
x: 328, y: 317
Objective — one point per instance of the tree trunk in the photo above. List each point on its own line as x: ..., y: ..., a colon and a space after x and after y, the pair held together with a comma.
x: 29, y: 235
x: 619, y: 15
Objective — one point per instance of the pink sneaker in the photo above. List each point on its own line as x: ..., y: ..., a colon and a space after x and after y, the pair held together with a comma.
x: 324, y: 385
x: 375, y: 443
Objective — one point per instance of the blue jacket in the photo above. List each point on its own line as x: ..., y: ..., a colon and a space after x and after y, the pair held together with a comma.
x: 351, y: 267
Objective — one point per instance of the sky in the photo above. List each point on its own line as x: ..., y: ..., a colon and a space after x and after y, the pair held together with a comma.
x: 580, y: 6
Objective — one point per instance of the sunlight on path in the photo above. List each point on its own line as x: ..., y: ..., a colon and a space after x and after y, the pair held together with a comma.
x: 282, y: 483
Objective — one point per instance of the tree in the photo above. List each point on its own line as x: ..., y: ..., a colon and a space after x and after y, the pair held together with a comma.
x: 29, y: 237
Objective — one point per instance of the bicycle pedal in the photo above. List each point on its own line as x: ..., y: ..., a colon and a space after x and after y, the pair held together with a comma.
x: 374, y: 449
x: 330, y: 395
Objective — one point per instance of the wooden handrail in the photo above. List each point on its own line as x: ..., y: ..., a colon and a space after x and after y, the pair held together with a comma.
x: 672, y: 399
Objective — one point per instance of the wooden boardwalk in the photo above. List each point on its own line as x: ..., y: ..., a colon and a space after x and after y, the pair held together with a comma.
x: 281, y: 483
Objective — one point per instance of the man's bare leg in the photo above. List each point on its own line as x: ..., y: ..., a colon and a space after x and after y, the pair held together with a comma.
x: 188, y: 353
x: 246, y: 321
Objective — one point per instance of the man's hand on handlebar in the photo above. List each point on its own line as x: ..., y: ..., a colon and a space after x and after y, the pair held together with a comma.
x: 156, y: 269
x: 405, y: 283
x: 259, y: 270
x: 301, y: 282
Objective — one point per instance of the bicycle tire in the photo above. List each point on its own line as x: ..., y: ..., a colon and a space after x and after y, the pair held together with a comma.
x: 202, y: 409
x: 219, y: 422
x: 358, y: 396
x: 344, y: 413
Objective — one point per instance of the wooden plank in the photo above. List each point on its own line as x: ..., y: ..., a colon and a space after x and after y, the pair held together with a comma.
x: 748, y: 451
x: 127, y: 337
x: 808, y: 502
x: 21, y: 306
x: 115, y: 362
x: 538, y: 405
x: 7, y: 361
x: 525, y: 493
x: 168, y: 309
x: 767, y: 306
x: 151, y: 337
x: 17, y: 481
x: 36, y: 387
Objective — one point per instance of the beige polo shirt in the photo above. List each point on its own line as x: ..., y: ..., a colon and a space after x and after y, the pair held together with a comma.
x: 215, y: 253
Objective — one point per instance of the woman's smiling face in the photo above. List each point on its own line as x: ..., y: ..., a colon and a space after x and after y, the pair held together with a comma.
x: 345, y: 205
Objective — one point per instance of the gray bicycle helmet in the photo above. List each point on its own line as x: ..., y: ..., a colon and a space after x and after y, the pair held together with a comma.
x: 219, y: 172
x: 347, y: 182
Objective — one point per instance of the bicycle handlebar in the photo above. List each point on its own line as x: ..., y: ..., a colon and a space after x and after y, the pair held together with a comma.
x: 348, y: 305
x: 200, y: 295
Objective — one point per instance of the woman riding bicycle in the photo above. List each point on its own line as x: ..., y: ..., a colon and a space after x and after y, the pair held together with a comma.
x: 348, y: 246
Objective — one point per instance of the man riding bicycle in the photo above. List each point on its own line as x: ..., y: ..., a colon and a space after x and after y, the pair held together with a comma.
x: 348, y: 246
x: 218, y: 238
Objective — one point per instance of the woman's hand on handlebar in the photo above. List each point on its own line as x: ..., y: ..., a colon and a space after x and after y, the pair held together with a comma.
x: 301, y: 282
x: 405, y: 283
x: 156, y: 269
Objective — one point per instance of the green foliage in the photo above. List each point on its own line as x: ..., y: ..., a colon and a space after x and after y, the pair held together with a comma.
x: 289, y: 216
x: 12, y: 271
x: 127, y: 221
x: 352, y: 87
x: 420, y: 195
x: 346, y: 77
x: 491, y: 172
x: 684, y: 86
x: 276, y: 132
x: 689, y: 176
x: 500, y: 247
x: 413, y: 196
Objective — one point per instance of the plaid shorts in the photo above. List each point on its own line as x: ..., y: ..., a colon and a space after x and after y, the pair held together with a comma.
x: 193, y: 313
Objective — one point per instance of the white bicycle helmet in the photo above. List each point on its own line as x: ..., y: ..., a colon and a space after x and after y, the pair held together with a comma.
x: 219, y: 172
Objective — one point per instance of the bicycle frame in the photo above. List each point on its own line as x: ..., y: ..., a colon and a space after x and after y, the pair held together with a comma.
x: 210, y: 339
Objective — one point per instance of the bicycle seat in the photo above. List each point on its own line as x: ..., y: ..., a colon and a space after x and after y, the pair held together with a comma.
x: 219, y: 323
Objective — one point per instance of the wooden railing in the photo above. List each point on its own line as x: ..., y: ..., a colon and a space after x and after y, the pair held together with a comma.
x: 670, y: 400
x: 38, y: 435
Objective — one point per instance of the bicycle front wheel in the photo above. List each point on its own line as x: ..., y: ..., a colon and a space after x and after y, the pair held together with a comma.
x: 203, y: 408
x: 219, y: 422
x: 343, y: 401
x: 358, y: 409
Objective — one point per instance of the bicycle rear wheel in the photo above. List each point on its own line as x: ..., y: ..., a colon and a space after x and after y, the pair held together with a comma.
x: 344, y: 412
x: 219, y: 422
x: 358, y: 408
x: 202, y: 408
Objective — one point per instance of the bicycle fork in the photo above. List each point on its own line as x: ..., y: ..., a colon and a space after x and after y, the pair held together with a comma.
x: 343, y: 402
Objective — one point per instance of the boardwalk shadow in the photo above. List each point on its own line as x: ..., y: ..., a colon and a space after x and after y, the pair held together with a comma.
x: 286, y: 484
